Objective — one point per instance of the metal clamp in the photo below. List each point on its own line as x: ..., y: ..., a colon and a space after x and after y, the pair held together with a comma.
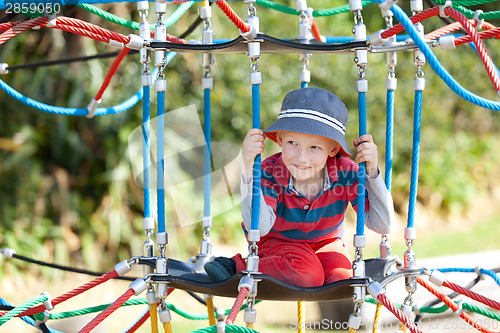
x: 447, y: 4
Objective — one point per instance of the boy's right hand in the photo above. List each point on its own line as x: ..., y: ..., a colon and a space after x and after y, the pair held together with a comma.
x: 252, y: 146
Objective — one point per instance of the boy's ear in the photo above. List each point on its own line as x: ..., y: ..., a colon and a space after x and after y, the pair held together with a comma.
x: 278, y: 140
x: 335, y: 150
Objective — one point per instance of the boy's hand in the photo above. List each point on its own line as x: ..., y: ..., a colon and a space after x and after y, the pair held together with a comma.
x: 252, y: 146
x: 366, y: 151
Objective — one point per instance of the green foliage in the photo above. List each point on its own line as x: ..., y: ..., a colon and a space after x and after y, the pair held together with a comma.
x: 66, y: 186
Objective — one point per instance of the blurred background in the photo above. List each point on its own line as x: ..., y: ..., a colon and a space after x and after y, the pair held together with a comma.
x: 67, y: 190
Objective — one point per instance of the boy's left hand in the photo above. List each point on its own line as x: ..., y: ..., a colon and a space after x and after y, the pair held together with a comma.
x: 366, y: 151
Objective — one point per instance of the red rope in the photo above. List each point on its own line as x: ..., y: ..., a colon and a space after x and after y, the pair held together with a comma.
x: 20, y: 27
x: 481, y: 49
x: 483, y: 34
x: 138, y: 323
x: 82, y: 32
x: 92, y: 28
x: 452, y: 305
x: 231, y: 317
x: 111, y: 72
x: 106, y: 313
x: 469, y: 293
x: 230, y: 13
x: 415, y: 18
x: 77, y: 291
x: 398, y: 313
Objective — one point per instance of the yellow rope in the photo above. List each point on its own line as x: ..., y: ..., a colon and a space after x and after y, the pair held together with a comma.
x: 153, y: 314
x: 250, y: 326
x: 205, y: 3
x: 167, y: 327
x: 211, y: 311
x: 402, y: 327
x: 301, y: 314
x: 376, y: 320
x: 351, y: 330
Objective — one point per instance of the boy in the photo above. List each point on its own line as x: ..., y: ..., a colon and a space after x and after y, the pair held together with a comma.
x: 305, y: 192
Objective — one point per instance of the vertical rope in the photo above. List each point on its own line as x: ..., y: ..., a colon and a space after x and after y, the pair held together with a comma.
x: 211, y: 311
x: 256, y: 168
x: 250, y: 326
x: 360, y: 225
x: 153, y: 313
x: 160, y: 152
x: 415, y: 157
x: 389, y: 138
x: 376, y: 319
x: 146, y: 105
x: 167, y: 327
x: 207, y: 153
x: 304, y: 84
x: 301, y: 317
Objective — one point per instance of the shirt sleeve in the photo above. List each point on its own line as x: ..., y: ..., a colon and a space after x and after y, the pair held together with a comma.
x: 267, y: 216
x: 380, y: 214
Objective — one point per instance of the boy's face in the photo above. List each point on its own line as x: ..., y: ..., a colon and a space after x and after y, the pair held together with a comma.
x: 305, y: 155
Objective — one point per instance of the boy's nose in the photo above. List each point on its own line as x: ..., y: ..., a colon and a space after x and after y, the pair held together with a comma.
x: 301, y: 156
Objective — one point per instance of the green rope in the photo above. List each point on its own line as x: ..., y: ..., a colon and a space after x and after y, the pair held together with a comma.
x: 23, y: 307
x: 110, y: 17
x: 470, y: 13
x: 139, y: 301
x: 481, y: 311
x: 316, y: 13
x: 181, y: 10
x: 229, y: 328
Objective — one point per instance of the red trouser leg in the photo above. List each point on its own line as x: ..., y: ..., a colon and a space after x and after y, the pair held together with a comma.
x: 334, y: 258
x: 295, y: 263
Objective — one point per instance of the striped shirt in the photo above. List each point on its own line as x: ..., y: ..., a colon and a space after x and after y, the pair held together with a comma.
x: 293, y: 217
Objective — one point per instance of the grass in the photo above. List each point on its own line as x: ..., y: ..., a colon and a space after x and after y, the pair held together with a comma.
x: 472, y: 238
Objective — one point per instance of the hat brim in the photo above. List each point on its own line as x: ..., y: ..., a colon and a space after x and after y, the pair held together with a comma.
x: 307, y: 126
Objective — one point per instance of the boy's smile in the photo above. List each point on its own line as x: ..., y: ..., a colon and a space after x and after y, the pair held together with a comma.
x: 305, y: 155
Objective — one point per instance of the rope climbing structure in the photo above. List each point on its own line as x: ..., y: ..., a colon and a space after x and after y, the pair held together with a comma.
x: 156, y: 48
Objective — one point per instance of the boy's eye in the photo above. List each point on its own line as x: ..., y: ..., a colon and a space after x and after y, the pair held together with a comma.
x: 291, y: 142
x: 316, y: 147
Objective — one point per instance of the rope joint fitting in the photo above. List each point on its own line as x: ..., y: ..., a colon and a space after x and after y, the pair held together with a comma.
x: 443, y: 7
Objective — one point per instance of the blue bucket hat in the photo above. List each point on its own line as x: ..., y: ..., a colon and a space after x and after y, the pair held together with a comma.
x: 313, y: 111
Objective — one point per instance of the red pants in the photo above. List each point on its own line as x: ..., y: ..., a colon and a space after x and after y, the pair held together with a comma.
x: 304, y: 265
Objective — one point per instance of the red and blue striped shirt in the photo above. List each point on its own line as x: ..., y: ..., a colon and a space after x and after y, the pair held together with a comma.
x: 297, y: 218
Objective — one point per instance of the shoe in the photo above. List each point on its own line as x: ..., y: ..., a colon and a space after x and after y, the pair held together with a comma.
x: 220, y: 269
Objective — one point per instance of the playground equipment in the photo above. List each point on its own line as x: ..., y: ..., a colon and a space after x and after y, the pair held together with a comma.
x: 162, y: 274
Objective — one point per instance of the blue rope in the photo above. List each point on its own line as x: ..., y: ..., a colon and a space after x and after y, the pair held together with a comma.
x: 436, y: 65
x: 304, y: 84
x: 389, y: 138
x: 207, y: 152
x: 75, y: 111
x: 160, y: 152
x: 70, y: 111
x: 415, y: 158
x: 146, y: 105
x: 491, y: 273
x: 256, y: 167
x: 360, y: 225
x: 27, y: 319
